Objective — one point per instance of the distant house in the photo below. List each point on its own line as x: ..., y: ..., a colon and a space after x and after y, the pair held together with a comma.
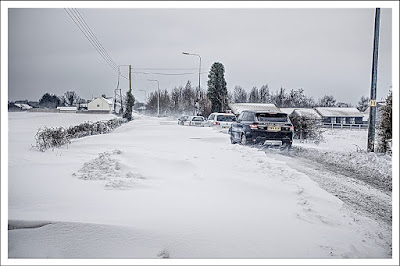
x: 141, y: 109
x: 104, y: 105
x: 15, y: 107
x: 340, y: 117
x: 67, y: 109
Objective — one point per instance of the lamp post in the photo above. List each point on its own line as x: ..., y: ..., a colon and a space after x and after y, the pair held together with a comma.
x: 198, y: 90
x: 158, y: 96
x: 120, y: 91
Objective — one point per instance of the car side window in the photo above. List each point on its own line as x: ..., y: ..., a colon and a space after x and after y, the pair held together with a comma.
x: 246, y: 116
x: 211, y: 117
x: 240, y: 117
x: 250, y: 117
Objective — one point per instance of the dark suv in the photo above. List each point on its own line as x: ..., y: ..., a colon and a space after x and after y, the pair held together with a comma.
x: 262, y: 127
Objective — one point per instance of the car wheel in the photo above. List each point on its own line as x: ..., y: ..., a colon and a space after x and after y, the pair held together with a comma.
x: 232, y: 140
x: 243, y: 139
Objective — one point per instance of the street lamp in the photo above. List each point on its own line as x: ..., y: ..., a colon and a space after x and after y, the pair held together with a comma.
x: 158, y: 96
x: 197, y: 91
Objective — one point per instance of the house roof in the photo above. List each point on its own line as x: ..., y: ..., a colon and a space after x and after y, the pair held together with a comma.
x: 307, y: 112
x: 338, y: 112
x: 237, y: 108
x: 108, y: 101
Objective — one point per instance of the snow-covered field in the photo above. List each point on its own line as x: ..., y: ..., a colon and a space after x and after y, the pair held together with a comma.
x: 152, y: 189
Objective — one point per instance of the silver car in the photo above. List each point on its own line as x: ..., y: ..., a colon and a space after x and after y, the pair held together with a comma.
x: 195, y: 121
x: 220, y: 120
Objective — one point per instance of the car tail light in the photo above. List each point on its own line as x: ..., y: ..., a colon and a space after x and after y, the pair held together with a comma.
x: 216, y: 123
x: 253, y: 126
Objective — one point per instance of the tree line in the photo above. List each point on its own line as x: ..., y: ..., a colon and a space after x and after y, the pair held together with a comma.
x: 182, y: 100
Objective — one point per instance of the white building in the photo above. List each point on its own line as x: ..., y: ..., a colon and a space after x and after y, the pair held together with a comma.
x: 103, y: 105
x: 67, y: 109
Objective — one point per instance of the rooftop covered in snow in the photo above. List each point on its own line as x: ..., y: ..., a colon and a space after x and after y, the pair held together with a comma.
x: 237, y: 108
x: 338, y: 112
x: 308, y: 112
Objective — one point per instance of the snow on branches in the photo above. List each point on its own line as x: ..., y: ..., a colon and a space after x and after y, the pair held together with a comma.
x: 55, y: 137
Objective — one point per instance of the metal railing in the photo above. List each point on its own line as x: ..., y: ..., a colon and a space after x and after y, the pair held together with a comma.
x: 348, y: 126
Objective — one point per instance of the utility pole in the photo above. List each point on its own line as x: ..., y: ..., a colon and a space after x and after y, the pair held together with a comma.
x: 372, y: 103
x: 197, y: 104
x: 130, y: 78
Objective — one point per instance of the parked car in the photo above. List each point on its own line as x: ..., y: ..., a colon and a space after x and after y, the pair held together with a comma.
x: 220, y: 120
x: 195, y: 121
x: 262, y: 127
x: 182, y: 119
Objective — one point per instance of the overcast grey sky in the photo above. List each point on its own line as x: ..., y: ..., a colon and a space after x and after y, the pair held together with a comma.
x: 324, y: 51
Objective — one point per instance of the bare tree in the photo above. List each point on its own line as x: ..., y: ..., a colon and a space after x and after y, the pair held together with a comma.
x: 71, y: 98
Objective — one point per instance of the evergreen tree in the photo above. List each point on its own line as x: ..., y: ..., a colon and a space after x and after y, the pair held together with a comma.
x: 363, y: 104
x: 385, y: 125
x: 129, y: 103
x: 49, y: 101
x: 217, y: 92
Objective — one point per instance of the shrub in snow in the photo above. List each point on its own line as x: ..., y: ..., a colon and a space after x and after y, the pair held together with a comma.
x: 47, y: 138
x: 164, y: 254
x: 306, y: 127
x: 384, y: 129
x: 56, y: 137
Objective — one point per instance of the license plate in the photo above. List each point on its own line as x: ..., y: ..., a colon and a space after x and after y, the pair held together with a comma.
x: 225, y: 126
x: 271, y: 128
x: 273, y: 142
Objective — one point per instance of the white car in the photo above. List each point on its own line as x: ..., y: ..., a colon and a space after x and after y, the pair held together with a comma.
x: 220, y: 120
x: 194, y: 121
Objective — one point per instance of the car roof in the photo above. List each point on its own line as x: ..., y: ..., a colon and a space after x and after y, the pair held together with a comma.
x: 223, y: 114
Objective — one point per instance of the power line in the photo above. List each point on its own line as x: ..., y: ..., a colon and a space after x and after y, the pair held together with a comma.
x: 165, y: 68
x: 91, y: 32
x: 171, y: 74
x: 84, y: 31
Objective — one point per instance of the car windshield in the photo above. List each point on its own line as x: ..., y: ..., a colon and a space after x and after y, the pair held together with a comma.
x: 197, y: 119
x: 271, y: 117
x: 226, y: 118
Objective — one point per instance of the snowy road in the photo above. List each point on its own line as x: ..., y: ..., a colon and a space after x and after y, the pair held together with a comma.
x: 152, y: 188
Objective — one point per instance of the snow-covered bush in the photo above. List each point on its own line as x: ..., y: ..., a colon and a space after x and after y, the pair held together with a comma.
x: 306, y: 127
x: 384, y: 128
x: 47, y: 138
